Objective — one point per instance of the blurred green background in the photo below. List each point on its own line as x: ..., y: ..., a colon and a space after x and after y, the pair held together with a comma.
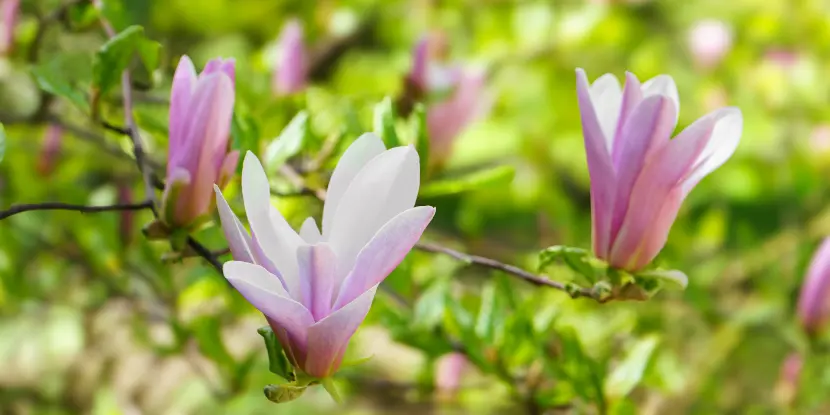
x: 92, y: 320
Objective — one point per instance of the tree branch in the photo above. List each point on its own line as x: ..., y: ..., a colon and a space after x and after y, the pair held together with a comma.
x: 15, y: 209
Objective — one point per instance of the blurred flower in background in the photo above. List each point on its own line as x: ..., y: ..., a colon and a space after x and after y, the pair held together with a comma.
x: 639, y: 177
x: 788, y: 379
x: 291, y: 70
x: 9, y: 12
x: 449, y: 371
x: 200, y: 120
x: 50, y: 150
x: 709, y: 42
x: 814, y: 301
x: 455, y: 95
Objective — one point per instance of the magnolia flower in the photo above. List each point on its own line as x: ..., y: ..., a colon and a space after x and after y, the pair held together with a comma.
x: 814, y: 303
x: 709, y: 42
x: 463, y: 101
x: 315, y: 288
x: 200, y: 119
x: 9, y: 12
x: 639, y: 176
x: 291, y: 71
x: 449, y: 371
x: 788, y: 378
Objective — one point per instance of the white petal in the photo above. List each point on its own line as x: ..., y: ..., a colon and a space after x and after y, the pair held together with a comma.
x: 722, y: 144
x: 662, y: 85
x: 238, y: 238
x: 365, y: 148
x: 309, y: 231
x: 606, y: 95
x: 386, y: 186
x: 264, y: 291
x: 273, y: 233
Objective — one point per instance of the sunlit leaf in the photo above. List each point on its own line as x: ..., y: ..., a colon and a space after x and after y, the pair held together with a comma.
x: 627, y: 375
x: 114, y: 57
x: 277, y: 362
x: 576, y: 259
x: 470, y: 182
x: 289, y: 143
x: 384, y: 123
x: 50, y: 79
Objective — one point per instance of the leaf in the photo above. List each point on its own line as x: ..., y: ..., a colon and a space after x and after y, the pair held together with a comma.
x: 115, y: 13
x: 628, y: 374
x: 671, y: 278
x: 50, y: 79
x: 283, y: 393
x: 82, y: 15
x: 2, y: 141
x: 277, y: 362
x: 473, y: 181
x: 289, y: 143
x: 492, y: 313
x: 384, y: 123
x: 244, y: 132
x: 429, y: 309
x: 419, y: 115
x: 207, y: 330
x: 114, y: 57
x: 576, y: 259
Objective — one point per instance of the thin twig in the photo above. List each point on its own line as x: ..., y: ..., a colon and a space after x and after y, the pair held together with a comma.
x: 15, y: 209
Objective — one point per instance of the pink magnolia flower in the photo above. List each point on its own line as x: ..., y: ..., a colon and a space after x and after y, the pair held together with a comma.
x: 314, y: 287
x: 9, y: 12
x: 814, y: 301
x: 639, y: 175
x: 710, y: 41
x: 200, y: 117
x: 466, y: 101
x: 449, y: 371
x: 291, y: 72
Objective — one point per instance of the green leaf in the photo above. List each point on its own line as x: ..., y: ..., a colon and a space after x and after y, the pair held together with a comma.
x: 244, y: 132
x: 492, y: 313
x: 82, y: 15
x: 277, y: 362
x: 419, y: 115
x: 115, y: 13
x: 207, y: 330
x: 384, y: 123
x: 429, y: 309
x: 50, y: 79
x: 473, y: 181
x: 283, y: 393
x: 114, y: 57
x: 289, y: 143
x: 628, y: 374
x: 576, y: 259
x: 671, y: 278
x: 2, y: 141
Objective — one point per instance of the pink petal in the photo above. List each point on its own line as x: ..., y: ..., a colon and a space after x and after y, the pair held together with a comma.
x: 226, y: 66
x: 329, y: 337
x: 228, y: 168
x: 448, y: 119
x: 9, y: 14
x: 317, y: 274
x: 721, y: 145
x: 631, y: 98
x: 420, y: 64
x: 184, y: 81
x: 648, y: 127
x: 238, y: 239
x: 291, y: 73
x: 264, y: 291
x: 599, y: 167
x: 384, y: 252
x: 663, y: 172
x: 814, y: 300
x: 309, y: 231
x: 662, y: 85
x: 606, y: 97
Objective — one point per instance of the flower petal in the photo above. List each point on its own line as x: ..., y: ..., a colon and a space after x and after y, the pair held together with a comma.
x: 292, y: 70
x: 721, y: 145
x: 606, y: 96
x: 654, y: 188
x: 447, y: 119
x: 329, y: 337
x: 632, y: 96
x: 184, y: 81
x: 600, y: 169
x: 663, y: 85
x: 420, y: 64
x: 226, y: 66
x: 264, y: 291
x: 309, y: 231
x: 365, y: 148
x: 268, y: 226
x: 238, y: 238
x: 813, y: 302
x: 384, y: 252
x: 649, y: 127
x: 386, y: 186
x: 228, y: 168
x: 317, y: 274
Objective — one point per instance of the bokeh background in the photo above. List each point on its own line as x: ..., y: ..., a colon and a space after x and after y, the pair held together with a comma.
x: 93, y: 320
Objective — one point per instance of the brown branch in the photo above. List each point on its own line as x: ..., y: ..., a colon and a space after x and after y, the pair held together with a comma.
x: 15, y: 209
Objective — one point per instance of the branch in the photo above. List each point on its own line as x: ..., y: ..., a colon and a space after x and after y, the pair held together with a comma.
x: 484, y: 262
x: 15, y: 209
